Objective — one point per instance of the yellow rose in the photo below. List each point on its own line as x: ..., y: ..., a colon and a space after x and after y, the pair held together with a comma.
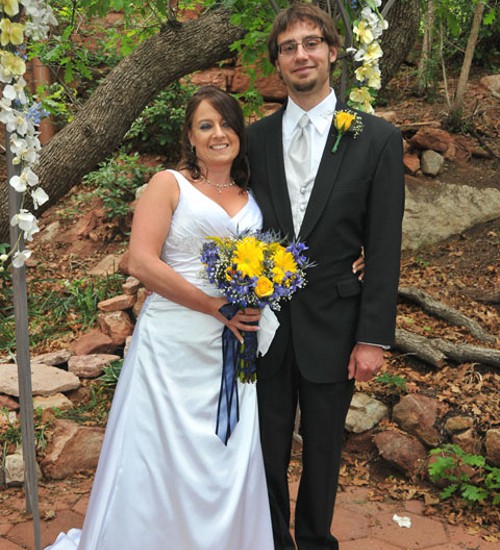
x: 343, y: 121
x: 264, y: 287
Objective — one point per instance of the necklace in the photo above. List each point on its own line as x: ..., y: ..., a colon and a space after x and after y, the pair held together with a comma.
x: 219, y: 186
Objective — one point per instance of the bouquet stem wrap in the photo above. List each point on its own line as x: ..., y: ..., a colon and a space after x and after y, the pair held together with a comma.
x: 238, y: 363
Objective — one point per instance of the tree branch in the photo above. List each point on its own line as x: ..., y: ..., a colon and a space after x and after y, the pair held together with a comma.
x: 442, y: 311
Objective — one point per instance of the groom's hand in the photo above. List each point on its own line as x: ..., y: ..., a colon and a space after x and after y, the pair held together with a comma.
x: 365, y: 362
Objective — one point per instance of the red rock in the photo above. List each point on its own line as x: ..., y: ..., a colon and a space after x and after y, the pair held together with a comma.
x: 8, y: 403
x: 401, y: 451
x: 94, y: 341
x: 411, y: 163
x: 117, y: 325
x: 73, y: 448
x: 432, y: 138
x: 117, y: 303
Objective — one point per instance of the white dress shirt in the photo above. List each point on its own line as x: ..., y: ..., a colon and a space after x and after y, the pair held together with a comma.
x: 321, y: 120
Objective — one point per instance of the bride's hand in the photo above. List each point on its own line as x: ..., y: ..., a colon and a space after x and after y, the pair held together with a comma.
x: 241, y: 321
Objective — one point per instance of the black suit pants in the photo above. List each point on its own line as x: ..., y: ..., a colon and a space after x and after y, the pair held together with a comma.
x: 323, y: 411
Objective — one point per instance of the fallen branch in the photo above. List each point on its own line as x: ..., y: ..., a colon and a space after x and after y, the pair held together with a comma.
x: 420, y: 346
x: 436, y: 350
x: 465, y: 353
x: 410, y: 125
x: 442, y: 311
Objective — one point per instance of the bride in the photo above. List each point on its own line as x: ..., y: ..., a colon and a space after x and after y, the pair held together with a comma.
x: 165, y: 479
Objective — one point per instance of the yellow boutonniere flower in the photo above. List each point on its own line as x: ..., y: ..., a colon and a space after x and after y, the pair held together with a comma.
x: 346, y: 121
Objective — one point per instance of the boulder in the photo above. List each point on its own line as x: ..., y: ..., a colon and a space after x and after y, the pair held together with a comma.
x: 432, y: 163
x: 456, y: 424
x: 436, y: 211
x: 45, y: 380
x: 492, y: 83
x: 117, y: 325
x: 90, y: 366
x: 468, y: 441
x: 117, y: 303
x: 431, y: 138
x: 56, y: 401
x: 403, y: 452
x: 364, y: 413
x: 411, y: 163
x: 131, y: 285
x: 492, y: 442
x: 107, y: 266
x: 94, y: 341
x: 8, y: 403
x: 417, y: 415
x: 54, y: 358
x: 73, y: 448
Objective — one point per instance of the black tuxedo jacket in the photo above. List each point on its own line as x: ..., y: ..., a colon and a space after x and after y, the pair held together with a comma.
x: 357, y: 201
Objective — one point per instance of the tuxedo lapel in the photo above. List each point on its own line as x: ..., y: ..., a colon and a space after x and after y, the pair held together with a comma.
x: 326, y: 179
x: 277, y: 179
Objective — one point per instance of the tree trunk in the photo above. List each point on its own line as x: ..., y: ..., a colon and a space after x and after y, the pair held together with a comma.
x: 458, y: 102
x: 180, y: 49
x: 426, y: 53
x: 398, y: 39
x: 98, y: 128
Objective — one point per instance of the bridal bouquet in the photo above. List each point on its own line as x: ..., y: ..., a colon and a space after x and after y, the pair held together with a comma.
x: 252, y: 270
x: 255, y: 270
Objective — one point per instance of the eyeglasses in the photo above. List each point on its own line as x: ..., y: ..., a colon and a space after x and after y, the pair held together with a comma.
x: 310, y: 44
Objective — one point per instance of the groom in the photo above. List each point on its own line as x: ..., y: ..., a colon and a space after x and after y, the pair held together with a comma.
x: 334, y: 331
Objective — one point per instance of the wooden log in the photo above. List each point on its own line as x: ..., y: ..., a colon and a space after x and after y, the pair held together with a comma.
x: 465, y: 353
x: 420, y: 346
x: 447, y: 313
x: 435, y: 351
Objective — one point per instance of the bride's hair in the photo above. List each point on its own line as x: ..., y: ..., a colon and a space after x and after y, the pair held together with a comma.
x: 231, y: 112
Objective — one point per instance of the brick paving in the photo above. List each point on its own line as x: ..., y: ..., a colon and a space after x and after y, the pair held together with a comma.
x: 359, y: 524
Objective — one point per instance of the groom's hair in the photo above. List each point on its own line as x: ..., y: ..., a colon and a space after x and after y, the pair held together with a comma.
x: 301, y: 13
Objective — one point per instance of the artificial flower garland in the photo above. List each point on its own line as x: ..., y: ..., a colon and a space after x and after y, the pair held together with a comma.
x: 18, y: 113
x: 367, y: 51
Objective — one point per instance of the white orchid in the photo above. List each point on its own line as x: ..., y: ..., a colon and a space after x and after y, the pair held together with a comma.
x: 15, y: 92
x: 39, y: 197
x: 20, y: 118
x: 26, y: 223
x: 15, y: 121
x: 28, y: 178
x: 20, y: 257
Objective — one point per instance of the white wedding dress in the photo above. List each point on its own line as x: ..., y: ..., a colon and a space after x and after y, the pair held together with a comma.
x: 165, y: 480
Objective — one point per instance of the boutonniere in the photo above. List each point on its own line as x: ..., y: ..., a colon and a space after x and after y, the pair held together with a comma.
x: 346, y: 121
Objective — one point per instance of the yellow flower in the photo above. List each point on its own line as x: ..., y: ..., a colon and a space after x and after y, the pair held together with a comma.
x: 249, y: 257
x: 10, y: 7
x: 12, y: 33
x: 363, y: 33
x: 363, y: 97
x: 264, y: 287
x: 343, y: 121
x: 11, y: 65
x: 284, y: 263
x: 369, y: 73
x: 373, y: 52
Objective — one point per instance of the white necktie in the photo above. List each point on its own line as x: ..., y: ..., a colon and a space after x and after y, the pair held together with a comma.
x: 299, y: 152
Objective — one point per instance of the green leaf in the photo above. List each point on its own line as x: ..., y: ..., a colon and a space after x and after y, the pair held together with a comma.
x: 473, y: 493
x: 446, y: 493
